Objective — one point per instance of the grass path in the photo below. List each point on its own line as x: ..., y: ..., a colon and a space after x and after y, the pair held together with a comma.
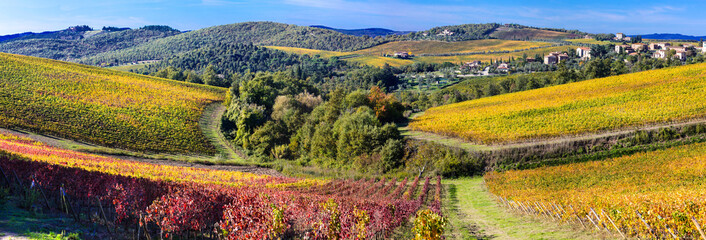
x: 210, y: 124
x: 473, y: 214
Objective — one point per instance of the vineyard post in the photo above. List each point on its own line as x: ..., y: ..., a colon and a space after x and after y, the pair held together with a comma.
x: 594, y: 223
x: 63, y: 199
x: 645, y: 222
x: 4, y: 176
x: 698, y: 227
x: 73, y: 211
x: 22, y: 186
x: 611, y: 222
x: 672, y: 233
x: 558, y: 212
x: 46, y: 200
x: 546, y: 210
x: 139, y: 222
x: 523, y: 208
x: 100, y: 205
x: 579, y: 218
x: 144, y: 225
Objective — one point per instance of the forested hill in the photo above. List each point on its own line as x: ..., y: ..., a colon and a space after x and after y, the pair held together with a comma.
x: 257, y: 33
x: 72, y: 45
x: 371, y: 32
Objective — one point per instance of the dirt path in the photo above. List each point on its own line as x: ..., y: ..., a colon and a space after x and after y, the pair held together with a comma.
x: 461, y: 143
x: 210, y: 124
x: 474, y: 214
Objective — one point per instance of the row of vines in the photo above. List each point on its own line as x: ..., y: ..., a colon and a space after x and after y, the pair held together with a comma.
x: 606, y: 104
x: 148, y: 200
x: 103, y: 107
x: 660, y: 194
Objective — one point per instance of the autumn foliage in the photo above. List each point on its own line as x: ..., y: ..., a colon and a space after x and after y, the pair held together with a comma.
x: 647, y: 195
x: 104, y: 107
x: 605, y: 104
x: 182, y: 201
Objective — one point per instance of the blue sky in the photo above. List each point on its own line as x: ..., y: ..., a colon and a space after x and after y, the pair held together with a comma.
x: 595, y: 16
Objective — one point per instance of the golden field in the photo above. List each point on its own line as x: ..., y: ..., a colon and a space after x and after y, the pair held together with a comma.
x: 606, y: 104
x: 667, y: 187
x: 104, y: 107
x: 438, y: 47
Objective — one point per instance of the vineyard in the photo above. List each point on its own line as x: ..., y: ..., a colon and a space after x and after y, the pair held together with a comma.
x: 104, y: 107
x: 436, y: 47
x: 648, y: 195
x: 605, y: 104
x: 147, y: 199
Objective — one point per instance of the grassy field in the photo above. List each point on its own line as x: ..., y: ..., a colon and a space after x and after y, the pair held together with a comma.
x: 666, y: 186
x: 607, y: 104
x: 104, y: 107
x: 379, y: 61
x: 438, y: 47
x: 474, y: 214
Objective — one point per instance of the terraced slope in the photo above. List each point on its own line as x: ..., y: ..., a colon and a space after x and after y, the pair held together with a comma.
x: 103, y: 107
x: 656, y: 194
x: 606, y: 104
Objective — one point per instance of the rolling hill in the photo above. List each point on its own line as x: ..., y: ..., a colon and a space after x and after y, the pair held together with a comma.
x: 256, y: 33
x: 59, y: 47
x: 606, y: 104
x: 104, y: 107
x: 371, y: 32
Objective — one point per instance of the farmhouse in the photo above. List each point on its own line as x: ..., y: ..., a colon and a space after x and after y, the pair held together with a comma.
x: 446, y: 32
x: 550, y: 59
x: 660, y: 54
x: 472, y: 65
x: 583, y: 52
x: 639, y: 47
x: 555, y: 57
x: 627, y: 48
x: 503, y: 67
x: 402, y: 54
x: 619, y: 36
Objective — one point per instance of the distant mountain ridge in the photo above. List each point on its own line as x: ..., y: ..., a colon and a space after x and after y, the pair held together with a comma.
x: 671, y: 36
x: 71, y: 33
x: 371, y: 32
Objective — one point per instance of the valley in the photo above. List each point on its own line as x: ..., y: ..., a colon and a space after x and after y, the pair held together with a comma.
x: 267, y: 130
